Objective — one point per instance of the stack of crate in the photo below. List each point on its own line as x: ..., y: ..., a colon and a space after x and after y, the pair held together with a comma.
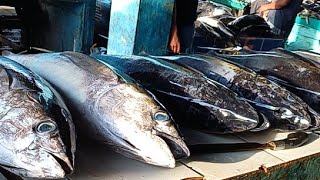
x: 305, y: 34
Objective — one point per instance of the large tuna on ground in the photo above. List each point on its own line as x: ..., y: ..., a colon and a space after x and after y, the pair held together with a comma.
x: 110, y: 110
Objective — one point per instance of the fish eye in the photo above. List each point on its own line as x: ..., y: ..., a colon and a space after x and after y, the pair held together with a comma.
x: 224, y: 113
x: 290, y: 98
x: 285, y: 113
x: 46, y: 127
x: 161, y: 116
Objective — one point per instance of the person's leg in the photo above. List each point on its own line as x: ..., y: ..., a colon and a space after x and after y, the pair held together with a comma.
x: 276, y: 19
x: 186, y: 34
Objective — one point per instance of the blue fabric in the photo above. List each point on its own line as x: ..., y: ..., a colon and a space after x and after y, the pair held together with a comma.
x: 186, y: 33
x: 283, y: 19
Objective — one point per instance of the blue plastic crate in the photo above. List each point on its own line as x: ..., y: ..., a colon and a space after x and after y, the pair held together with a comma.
x: 305, y: 35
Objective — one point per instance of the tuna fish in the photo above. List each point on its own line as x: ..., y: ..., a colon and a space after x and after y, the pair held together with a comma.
x: 281, y: 107
x: 210, y: 31
x: 245, y: 21
x: 37, y: 135
x: 109, y: 109
x: 250, y: 25
x: 298, y: 76
x: 193, y: 101
x: 215, y: 27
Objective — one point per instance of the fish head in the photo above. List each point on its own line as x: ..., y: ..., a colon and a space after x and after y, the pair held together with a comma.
x: 166, y: 128
x: 292, y: 118
x: 33, y: 145
x: 37, y: 136
x: 293, y: 113
x: 232, y: 122
x: 143, y: 129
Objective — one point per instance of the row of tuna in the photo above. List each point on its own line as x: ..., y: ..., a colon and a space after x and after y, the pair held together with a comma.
x: 134, y: 104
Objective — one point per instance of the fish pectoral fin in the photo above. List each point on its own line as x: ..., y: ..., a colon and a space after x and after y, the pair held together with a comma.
x: 19, y: 76
x: 16, y: 83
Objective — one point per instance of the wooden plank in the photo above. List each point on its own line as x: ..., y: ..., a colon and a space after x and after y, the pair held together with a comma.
x: 139, y: 26
x: 312, y: 147
x: 224, y: 165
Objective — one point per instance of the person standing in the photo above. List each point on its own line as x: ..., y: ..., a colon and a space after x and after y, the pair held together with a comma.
x: 182, y: 28
x: 280, y: 14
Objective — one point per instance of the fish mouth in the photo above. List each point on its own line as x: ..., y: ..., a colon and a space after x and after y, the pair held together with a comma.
x: 65, y: 163
x: 147, y: 148
x: 177, y: 146
x: 264, y: 123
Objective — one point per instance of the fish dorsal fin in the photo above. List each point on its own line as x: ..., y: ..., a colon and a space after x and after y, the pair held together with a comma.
x: 90, y: 64
x: 122, y: 75
x: 19, y: 76
x: 170, y: 63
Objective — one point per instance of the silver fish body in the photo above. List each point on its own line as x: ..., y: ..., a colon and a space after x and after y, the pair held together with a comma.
x: 110, y: 110
x: 284, y: 109
x: 193, y: 101
x: 250, y: 25
x: 37, y: 135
